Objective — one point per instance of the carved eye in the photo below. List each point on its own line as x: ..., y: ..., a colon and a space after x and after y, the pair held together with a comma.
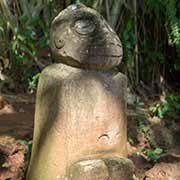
x: 84, y: 26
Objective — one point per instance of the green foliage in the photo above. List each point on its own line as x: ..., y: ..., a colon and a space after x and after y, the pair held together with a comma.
x: 140, y: 123
x: 170, y: 10
x: 160, y: 109
x: 170, y: 108
x: 32, y: 85
x: 154, y: 155
x: 130, y: 140
x: 173, y: 22
x: 29, y: 34
x: 153, y: 152
x: 129, y: 41
x: 173, y: 28
x: 28, y: 145
x: 138, y: 102
x: 145, y: 29
x: 24, y: 47
x: 144, y: 127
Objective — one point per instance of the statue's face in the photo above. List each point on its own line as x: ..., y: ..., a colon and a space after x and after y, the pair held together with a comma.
x: 81, y: 37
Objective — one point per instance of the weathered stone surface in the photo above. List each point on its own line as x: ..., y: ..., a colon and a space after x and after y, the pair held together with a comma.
x: 81, y: 37
x: 119, y: 168
x: 102, y: 169
x: 80, y: 110
x: 89, y: 170
x: 79, y: 115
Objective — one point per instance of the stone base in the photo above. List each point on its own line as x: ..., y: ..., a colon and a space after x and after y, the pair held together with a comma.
x: 101, y: 169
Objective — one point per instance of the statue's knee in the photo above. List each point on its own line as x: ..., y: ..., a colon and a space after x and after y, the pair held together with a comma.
x: 101, y: 169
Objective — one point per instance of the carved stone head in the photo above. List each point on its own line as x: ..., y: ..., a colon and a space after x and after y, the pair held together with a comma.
x: 81, y: 37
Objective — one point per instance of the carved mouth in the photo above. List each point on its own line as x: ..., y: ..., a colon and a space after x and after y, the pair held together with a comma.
x: 109, y: 51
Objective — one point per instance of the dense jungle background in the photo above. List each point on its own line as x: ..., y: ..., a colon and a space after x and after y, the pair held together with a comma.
x: 150, y: 33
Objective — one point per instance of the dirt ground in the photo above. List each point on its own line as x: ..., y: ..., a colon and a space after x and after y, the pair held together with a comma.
x: 16, y: 131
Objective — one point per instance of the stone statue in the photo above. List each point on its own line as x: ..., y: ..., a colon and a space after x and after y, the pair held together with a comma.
x: 80, y: 120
